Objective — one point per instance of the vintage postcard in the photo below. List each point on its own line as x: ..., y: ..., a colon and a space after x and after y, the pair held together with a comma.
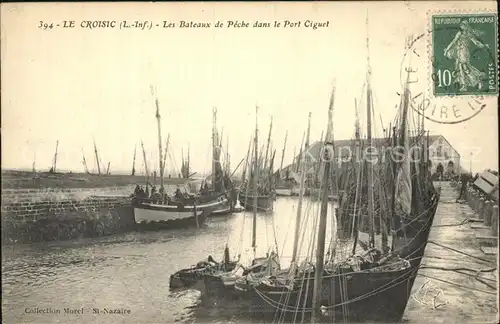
x: 262, y: 162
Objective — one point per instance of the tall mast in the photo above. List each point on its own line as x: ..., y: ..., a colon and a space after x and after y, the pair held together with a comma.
x: 84, y: 162
x: 145, y: 162
x: 301, y: 196
x: 55, y: 156
x: 166, y: 153
x: 371, y: 220
x: 320, y: 246
x: 160, y: 158
x: 283, y: 153
x: 214, y: 144
x: 255, y: 181
x: 243, y: 176
x: 227, y: 157
x: 188, y: 171
x: 299, y: 157
x: 97, y: 159
x: 268, y: 143
x: 133, y: 162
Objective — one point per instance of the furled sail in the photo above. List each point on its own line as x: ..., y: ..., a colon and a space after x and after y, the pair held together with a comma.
x: 403, y: 180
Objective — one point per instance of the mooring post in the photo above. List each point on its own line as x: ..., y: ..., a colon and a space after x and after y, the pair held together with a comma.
x: 476, y: 202
x: 470, y: 201
x: 196, y: 215
x: 494, y: 220
x: 480, y: 207
x: 487, y: 213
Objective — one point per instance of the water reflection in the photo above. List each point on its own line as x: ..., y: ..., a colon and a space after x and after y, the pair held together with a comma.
x: 132, y: 270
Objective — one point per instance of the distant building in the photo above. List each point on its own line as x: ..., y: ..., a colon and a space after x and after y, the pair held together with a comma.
x: 443, y: 157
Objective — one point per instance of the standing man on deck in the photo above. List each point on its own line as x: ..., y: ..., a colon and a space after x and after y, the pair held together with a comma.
x: 465, y: 180
x: 233, y: 196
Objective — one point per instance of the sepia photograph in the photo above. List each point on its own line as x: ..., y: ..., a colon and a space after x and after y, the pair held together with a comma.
x: 260, y: 162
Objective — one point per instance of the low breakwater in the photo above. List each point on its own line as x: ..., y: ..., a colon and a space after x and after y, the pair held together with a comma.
x: 34, y: 215
x: 55, y: 214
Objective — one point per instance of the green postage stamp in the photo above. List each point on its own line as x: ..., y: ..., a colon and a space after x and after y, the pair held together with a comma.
x: 464, y: 54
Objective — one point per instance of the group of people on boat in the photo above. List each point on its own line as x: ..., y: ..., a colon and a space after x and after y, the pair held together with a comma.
x: 158, y: 195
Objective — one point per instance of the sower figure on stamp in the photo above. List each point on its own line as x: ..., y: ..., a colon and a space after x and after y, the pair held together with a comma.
x: 460, y: 50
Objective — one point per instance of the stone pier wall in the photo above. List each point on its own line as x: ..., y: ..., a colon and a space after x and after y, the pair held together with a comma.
x: 33, y: 215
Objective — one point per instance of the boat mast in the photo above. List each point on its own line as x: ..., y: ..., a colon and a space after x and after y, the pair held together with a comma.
x: 214, y: 144
x: 299, y: 157
x: 227, y: 164
x: 268, y: 143
x: 320, y: 246
x: 166, y: 153
x: 133, y: 163
x: 55, y: 157
x: 97, y: 159
x: 188, y: 171
x: 160, y: 158
x: 358, y: 165
x: 301, y: 196
x: 371, y: 220
x: 255, y: 181
x: 283, y: 154
x: 145, y: 163
x: 243, y: 176
x: 85, y: 163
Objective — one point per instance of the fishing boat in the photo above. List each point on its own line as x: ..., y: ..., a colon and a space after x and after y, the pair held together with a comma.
x: 284, y: 184
x: 263, y: 195
x: 161, y: 210
x: 190, y: 277
x: 221, y: 286
x: 214, y: 279
x: 371, y: 285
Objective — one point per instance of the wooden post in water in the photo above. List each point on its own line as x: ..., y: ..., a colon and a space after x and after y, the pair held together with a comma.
x: 196, y: 215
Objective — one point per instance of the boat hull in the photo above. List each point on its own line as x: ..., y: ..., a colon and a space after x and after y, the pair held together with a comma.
x: 193, y: 277
x: 376, y: 297
x: 283, y: 192
x: 264, y: 203
x: 155, y: 216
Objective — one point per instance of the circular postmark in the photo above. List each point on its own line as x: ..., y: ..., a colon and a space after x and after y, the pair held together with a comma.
x: 448, y: 82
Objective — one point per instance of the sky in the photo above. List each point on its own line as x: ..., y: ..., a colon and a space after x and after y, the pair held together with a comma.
x: 75, y: 85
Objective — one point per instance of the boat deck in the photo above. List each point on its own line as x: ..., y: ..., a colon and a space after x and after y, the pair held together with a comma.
x: 444, y: 296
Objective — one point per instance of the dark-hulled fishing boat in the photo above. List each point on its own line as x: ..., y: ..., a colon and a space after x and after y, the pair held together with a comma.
x: 190, y: 277
x: 216, y: 276
x: 159, y: 210
x: 263, y: 196
x: 375, y: 286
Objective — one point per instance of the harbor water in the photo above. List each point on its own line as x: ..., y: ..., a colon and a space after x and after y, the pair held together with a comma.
x: 125, y: 278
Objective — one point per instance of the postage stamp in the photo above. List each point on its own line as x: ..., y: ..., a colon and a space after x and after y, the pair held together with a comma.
x: 450, y: 70
x: 464, y: 52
